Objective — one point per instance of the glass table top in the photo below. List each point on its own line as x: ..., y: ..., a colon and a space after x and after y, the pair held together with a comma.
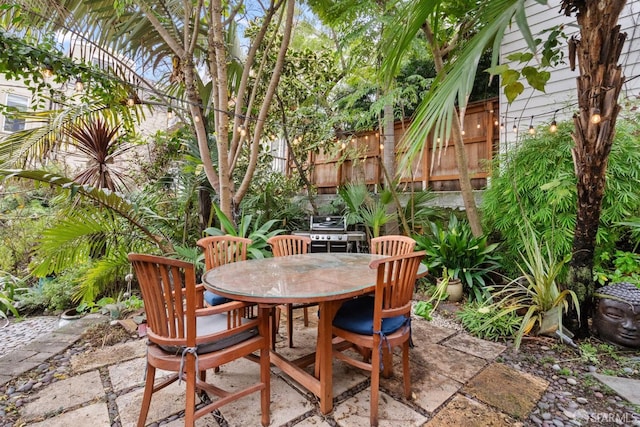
x: 309, y: 277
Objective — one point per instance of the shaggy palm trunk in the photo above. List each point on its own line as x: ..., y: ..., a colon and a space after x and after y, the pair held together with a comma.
x: 597, y: 52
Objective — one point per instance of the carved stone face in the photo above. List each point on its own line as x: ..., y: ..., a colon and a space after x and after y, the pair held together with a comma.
x: 618, y: 322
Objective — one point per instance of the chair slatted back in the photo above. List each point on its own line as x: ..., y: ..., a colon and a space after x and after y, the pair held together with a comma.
x: 169, y: 292
x: 220, y: 250
x: 392, y: 245
x: 395, y: 283
x: 285, y: 245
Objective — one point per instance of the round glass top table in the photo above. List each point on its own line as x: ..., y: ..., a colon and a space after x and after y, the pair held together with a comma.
x: 313, y: 277
x: 326, y: 278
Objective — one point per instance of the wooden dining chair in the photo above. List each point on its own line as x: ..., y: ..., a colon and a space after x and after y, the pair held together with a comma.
x: 392, y: 245
x: 220, y: 250
x: 187, y: 338
x: 285, y: 245
x: 380, y: 323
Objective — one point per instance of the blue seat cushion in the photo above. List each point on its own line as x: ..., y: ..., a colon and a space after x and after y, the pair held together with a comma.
x: 356, y: 316
x: 206, y: 325
x: 214, y: 299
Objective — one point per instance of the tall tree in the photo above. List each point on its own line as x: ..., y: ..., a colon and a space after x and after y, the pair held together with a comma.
x: 597, y: 51
x: 211, y: 79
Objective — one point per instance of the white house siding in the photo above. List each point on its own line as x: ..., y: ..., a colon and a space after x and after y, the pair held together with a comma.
x: 560, y: 97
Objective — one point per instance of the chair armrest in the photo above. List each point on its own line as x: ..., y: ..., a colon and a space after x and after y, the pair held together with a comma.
x: 223, y: 308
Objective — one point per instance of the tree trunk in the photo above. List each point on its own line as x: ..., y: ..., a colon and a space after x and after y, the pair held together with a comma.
x: 598, y: 52
x: 466, y: 189
x: 389, y: 164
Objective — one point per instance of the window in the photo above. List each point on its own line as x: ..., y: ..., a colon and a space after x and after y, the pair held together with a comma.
x: 15, y: 102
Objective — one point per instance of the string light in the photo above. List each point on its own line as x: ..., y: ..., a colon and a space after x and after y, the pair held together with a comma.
x: 495, y: 122
x: 515, y: 129
x: 381, y: 146
x: 595, y: 116
x: 344, y: 145
x: 478, y: 125
x: 502, y: 126
x: 463, y: 132
x: 169, y: 113
x: 196, y: 118
x: 79, y: 85
x: 47, y: 71
x: 532, y: 130
x: 131, y: 101
x: 554, y: 125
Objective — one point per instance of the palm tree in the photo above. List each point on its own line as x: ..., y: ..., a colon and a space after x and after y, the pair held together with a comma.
x: 597, y: 52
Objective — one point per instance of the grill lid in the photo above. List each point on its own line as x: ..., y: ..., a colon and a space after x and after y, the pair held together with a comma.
x: 328, y: 223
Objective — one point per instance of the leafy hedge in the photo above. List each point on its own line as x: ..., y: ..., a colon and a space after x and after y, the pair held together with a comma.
x: 536, y: 183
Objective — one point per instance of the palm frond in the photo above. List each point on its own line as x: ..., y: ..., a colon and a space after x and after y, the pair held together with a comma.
x: 453, y: 85
x: 115, y: 202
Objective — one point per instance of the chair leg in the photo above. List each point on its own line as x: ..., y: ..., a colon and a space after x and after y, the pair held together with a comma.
x: 274, y: 325
x: 290, y: 324
x: 387, y: 362
x: 190, y: 404
x: 375, y: 387
x: 306, y: 317
x: 146, y: 397
x: 265, y: 394
x: 405, y: 370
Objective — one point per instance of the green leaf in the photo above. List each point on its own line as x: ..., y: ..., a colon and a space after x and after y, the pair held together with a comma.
x: 513, y: 90
x: 537, y: 79
x: 509, y: 77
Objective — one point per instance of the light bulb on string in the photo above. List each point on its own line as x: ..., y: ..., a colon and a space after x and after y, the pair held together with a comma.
x: 79, y: 85
x: 501, y: 125
x: 463, y: 132
x: 47, y: 71
x: 131, y: 101
x: 495, y: 122
x: 196, y: 118
x: 344, y: 145
x: 478, y: 126
x: 515, y: 129
x: 169, y: 113
x: 381, y: 146
x: 553, y: 128
x: 595, y: 116
x: 532, y: 130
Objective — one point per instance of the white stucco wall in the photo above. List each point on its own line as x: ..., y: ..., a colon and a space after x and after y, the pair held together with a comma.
x: 561, y: 89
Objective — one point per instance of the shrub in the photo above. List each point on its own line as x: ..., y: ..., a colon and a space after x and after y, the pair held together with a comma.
x: 536, y: 293
x: 541, y: 190
x: 454, y: 248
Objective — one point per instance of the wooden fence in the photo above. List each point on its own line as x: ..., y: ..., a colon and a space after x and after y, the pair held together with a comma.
x: 363, y: 160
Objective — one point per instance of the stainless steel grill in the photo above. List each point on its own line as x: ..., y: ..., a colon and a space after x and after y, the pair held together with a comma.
x: 329, y: 234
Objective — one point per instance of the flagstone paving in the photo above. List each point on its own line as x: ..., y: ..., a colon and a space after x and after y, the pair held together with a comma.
x: 456, y: 381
